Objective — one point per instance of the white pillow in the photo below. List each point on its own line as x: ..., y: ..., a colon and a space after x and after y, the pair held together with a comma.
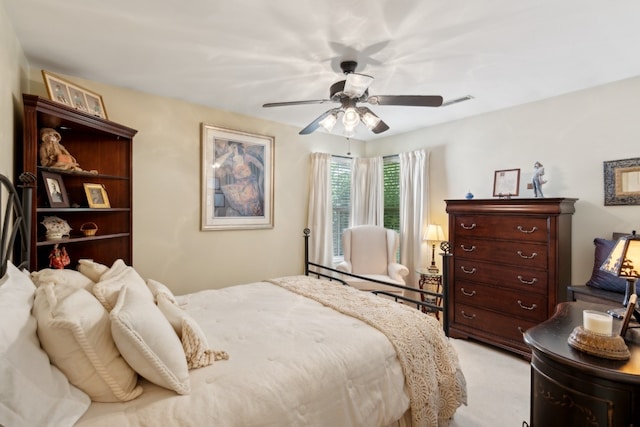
x: 33, y: 392
x: 93, y: 270
x: 194, y: 342
x: 59, y: 276
x: 159, y: 288
x: 75, y: 331
x: 112, y: 281
x: 148, y: 342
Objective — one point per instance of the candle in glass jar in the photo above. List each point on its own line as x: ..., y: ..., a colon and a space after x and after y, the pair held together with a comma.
x: 597, y: 322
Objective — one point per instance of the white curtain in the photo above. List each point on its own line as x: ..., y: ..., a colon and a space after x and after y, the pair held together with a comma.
x: 414, y: 184
x: 367, y: 197
x: 320, y: 216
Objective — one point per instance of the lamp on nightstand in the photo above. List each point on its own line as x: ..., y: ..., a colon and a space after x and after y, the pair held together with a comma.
x: 624, y: 261
x: 433, y: 235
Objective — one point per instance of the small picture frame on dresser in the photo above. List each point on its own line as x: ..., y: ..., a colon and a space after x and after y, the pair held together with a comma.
x: 55, y: 190
x: 506, y: 183
x: 631, y: 307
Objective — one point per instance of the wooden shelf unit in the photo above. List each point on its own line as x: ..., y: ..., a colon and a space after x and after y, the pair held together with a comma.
x: 97, y: 144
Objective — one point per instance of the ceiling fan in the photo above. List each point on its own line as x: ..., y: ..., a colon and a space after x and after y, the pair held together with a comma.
x: 355, y: 89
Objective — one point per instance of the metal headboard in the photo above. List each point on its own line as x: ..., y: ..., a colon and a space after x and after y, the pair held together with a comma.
x: 15, y: 216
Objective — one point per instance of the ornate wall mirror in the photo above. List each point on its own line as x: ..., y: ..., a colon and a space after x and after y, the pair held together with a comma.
x: 622, y: 182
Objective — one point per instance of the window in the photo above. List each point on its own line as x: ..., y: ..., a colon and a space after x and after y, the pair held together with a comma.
x: 341, y: 193
x: 391, y: 171
x: 341, y: 202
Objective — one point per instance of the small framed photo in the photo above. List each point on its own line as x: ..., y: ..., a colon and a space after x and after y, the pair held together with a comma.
x: 506, y: 183
x: 56, y: 192
x: 631, y: 306
x: 96, y: 195
x: 65, y: 92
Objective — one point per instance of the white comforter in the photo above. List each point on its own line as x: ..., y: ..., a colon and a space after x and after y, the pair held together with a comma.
x: 292, y: 362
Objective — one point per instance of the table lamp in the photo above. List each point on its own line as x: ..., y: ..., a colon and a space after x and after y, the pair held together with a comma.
x: 624, y: 261
x: 433, y: 234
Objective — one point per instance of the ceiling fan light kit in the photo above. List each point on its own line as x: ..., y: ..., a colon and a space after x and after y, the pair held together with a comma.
x: 348, y: 92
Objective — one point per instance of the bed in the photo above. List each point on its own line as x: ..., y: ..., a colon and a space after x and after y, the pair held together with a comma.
x: 101, y: 346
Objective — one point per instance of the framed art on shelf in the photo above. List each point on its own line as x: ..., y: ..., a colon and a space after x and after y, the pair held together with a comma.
x: 506, y: 183
x: 96, y: 195
x: 55, y: 189
x: 67, y: 93
x: 236, y: 179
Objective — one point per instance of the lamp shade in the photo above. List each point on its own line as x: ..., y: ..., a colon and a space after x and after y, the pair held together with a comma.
x: 624, y: 259
x: 434, y: 233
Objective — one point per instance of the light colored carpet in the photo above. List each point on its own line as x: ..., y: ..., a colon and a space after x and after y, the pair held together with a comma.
x: 497, y: 386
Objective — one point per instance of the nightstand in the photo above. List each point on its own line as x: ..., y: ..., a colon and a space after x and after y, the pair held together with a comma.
x: 571, y: 388
x: 430, y: 282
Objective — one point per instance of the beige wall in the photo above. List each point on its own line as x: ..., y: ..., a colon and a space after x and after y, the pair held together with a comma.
x: 13, y: 71
x: 168, y: 243
x: 570, y: 135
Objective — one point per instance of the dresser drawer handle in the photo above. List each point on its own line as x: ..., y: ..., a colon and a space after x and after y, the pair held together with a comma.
x: 466, y: 249
x: 531, y: 307
x: 468, y: 227
x: 468, y: 316
x: 522, y: 331
x: 533, y: 255
x: 464, y: 270
x: 527, y: 282
x: 527, y: 231
x: 469, y: 294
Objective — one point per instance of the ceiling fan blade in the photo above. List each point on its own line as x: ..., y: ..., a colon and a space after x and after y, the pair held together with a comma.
x: 372, y: 121
x: 406, y: 100
x: 283, y: 104
x: 356, y: 84
x: 311, y: 127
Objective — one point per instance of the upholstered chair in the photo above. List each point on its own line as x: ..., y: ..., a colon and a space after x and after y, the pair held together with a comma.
x: 370, y: 251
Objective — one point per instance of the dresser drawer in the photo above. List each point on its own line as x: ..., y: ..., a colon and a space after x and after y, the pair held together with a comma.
x: 508, y: 227
x: 519, y: 279
x: 526, y: 305
x: 526, y: 254
x: 487, y: 322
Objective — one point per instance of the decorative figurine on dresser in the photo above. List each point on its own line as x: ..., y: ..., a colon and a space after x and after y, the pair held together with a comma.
x: 510, y: 267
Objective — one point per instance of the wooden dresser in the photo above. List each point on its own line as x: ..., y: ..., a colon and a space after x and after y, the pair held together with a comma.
x: 510, y: 267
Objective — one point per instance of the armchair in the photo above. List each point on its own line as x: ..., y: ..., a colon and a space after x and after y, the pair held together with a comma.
x: 370, y: 251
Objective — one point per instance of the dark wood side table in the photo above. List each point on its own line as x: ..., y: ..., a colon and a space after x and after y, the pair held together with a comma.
x: 572, y: 388
x: 430, y: 282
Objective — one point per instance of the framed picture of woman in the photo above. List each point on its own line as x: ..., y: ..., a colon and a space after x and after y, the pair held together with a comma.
x: 236, y: 180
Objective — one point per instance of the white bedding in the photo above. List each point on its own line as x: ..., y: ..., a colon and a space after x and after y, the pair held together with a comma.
x: 292, y: 362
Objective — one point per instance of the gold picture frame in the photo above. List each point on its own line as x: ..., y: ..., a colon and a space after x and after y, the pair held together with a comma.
x: 506, y: 183
x: 72, y: 95
x: 96, y: 195
x: 236, y: 179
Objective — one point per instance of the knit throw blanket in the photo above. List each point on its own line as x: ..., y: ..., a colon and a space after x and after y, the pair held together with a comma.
x: 433, y: 379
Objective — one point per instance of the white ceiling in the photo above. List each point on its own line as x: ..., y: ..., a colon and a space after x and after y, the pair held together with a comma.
x: 239, y: 54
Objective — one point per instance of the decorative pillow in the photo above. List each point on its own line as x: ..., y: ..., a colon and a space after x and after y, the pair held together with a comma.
x: 93, y: 270
x: 112, y: 281
x: 75, y: 331
x: 601, y: 279
x: 33, y: 391
x: 148, y: 342
x: 62, y: 276
x: 159, y: 288
x: 194, y: 342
